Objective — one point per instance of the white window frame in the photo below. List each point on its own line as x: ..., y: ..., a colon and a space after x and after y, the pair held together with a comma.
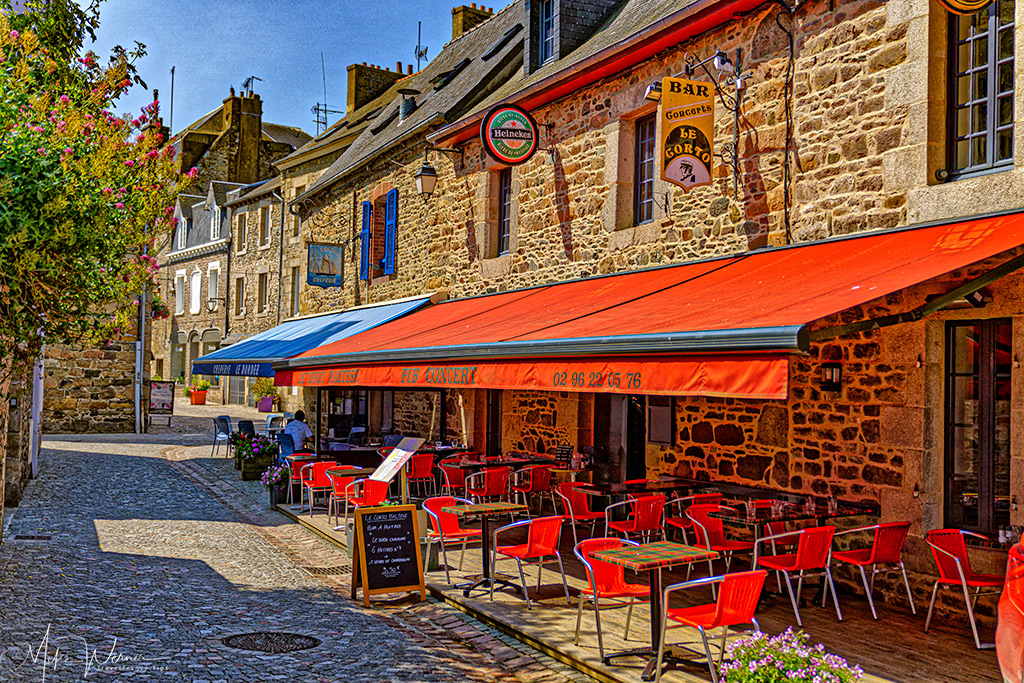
x: 179, y: 292
x: 182, y: 234
x: 213, y: 281
x: 195, y: 297
x: 214, y: 222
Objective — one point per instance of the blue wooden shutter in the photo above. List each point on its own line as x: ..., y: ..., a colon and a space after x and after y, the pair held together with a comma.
x: 364, y: 242
x: 390, y: 231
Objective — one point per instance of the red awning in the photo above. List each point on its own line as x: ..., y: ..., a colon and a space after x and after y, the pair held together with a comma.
x: 640, y: 324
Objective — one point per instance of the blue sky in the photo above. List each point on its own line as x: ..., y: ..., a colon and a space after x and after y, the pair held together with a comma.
x: 214, y: 45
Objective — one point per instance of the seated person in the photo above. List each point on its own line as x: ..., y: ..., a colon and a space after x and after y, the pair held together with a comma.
x: 299, y: 431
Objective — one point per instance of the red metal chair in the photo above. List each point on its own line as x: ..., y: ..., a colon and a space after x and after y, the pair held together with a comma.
x: 297, y: 463
x: 420, y: 470
x: 338, y: 484
x: 949, y: 548
x: 812, y: 555
x: 886, y: 548
x: 682, y: 522
x: 576, y: 506
x: 606, y: 581
x: 454, y: 478
x: 384, y: 452
x: 738, y: 594
x: 647, y: 517
x: 314, y: 480
x: 365, y: 493
x: 488, y: 484
x: 777, y: 529
x: 445, y: 528
x: 534, y: 482
x: 542, y: 540
x: 710, y: 533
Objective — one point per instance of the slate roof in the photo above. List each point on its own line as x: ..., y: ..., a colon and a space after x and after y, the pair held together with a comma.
x: 442, y: 99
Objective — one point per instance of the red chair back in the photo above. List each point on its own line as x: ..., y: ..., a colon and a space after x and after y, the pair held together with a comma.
x: 715, y: 532
x: 495, y: 482
x: 316, y: 476
x: 572, y: 491
x: 455, y: 476
x: 738, y: 594
x: 647, y: 512
x: 888, y: 544
x: 682, y: 504
x: 468, y: 455
x: 540, y: 479
x: 605, y: 577
x: 543, y: 536
x: 952, y: 541
x: 421, y: 466
x: 297, y: 466
x: 374, y: 492
x: 813, y: 547
x: 443, y: 522
x: 340, y: 481
x: 384, y: 451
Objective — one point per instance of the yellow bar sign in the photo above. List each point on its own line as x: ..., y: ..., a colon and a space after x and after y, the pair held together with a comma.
x: 687, y: 114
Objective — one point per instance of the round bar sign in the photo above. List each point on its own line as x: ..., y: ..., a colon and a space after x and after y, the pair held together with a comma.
x: 965, y: 7
x: 509, y: 134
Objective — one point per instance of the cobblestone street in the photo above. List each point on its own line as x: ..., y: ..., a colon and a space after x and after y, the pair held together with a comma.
x: 134, y: 556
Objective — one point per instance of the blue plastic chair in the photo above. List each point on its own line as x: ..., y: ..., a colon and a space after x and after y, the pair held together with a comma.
x: 247, y: 427
x: 287, y: 444
x: 221, y: 434
x: 392, y: 440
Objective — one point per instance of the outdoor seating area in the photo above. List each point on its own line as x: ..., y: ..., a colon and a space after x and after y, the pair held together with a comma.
x: 602, y: 592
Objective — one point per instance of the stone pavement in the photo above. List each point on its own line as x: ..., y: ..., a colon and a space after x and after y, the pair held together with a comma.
x: 133, y: 556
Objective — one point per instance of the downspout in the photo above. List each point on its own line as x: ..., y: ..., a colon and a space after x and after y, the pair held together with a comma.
x: 140, y: 358
x: 280, y: 255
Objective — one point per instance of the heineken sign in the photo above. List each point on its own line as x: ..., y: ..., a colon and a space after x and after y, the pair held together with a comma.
x: 965, y: 7
x: 509, y: 134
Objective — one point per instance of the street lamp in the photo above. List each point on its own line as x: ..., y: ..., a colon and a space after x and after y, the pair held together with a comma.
x: 426, y: 175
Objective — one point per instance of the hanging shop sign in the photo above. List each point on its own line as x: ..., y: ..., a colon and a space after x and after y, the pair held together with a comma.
x: 965, y: 6
x: 324, y: 264
x: 509, y: 134
x: 687, y: 114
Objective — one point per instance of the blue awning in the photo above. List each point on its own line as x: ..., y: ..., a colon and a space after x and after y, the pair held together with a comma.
x: 252, y: 357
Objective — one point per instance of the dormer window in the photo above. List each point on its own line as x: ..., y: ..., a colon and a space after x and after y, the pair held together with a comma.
x: 214, y: 222
x: 182, y: 232
x: 545, y: 31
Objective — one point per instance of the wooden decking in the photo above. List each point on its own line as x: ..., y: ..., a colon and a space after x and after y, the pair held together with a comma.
x: 893, y: 649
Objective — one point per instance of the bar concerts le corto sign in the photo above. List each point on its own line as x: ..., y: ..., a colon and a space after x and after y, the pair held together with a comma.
x: 509, y: 134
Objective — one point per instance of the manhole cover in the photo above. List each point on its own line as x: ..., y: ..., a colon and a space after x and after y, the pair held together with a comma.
x: 328, y: 570
x: 272, y: 643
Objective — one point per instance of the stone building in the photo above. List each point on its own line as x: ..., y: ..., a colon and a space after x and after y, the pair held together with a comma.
x: 858, y: 142
x: 232, y: 148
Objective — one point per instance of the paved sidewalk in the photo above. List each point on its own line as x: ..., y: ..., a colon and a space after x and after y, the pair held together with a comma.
x: 137, y: 555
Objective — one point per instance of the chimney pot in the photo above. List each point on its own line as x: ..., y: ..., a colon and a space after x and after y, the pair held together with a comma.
x: 399, y: 67
x: 364, y: 63
x: 410, y: 70
x: 473, y: 5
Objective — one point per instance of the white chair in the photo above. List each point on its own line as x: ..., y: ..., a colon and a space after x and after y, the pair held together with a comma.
x: 221, y: 434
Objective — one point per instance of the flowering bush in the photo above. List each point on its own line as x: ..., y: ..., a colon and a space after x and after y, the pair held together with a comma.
x: 276, y: 475
x: 160, y: 310
x: 250, y: 448
x: 785, y: 658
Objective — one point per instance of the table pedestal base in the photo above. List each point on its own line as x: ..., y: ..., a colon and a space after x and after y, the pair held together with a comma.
x: 485, y: 582
x: 669, y: 659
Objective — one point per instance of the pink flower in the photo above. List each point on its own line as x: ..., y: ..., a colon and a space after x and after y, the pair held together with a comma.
x: 119, y: 205
x: 65, y: 98
x: 41, y: 150
x: 14, y: 35
x: 129, y: 163
x: 68, y: 150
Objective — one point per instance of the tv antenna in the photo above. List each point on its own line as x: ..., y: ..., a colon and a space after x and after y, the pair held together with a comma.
x: 421, y: 50
x: 248, y: 83
x: 320, y: 110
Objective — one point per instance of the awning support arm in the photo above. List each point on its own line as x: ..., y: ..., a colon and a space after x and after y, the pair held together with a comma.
x: 920, y: 312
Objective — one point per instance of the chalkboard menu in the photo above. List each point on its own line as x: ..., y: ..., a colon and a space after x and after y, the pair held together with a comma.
x: 386, y: 557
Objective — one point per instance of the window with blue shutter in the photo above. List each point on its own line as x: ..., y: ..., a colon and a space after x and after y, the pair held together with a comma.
x: 390, y: 231
x: 364, y: 242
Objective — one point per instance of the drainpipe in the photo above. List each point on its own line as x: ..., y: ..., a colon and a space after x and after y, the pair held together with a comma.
x: 140, y: 355
x: 280, y: 255
x: 36, y: 437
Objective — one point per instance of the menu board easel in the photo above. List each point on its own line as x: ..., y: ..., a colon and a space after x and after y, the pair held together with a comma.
x: 386, y: 555
x: 161, y: 399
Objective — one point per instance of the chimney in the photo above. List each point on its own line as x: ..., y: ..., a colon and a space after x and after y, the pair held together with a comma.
x: 245, y: 115
x: 367, y: 82
x: 465, y: 18
x: 156, y: 122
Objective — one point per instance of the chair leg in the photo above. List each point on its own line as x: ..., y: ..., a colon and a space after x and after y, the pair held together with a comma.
x: 522, y: 578
x: 792, y: 598
x: 867, y: 589
x: 561, y: 568
x: 444, y: 554
x: 931, y: 606
x: 970, y: 614
x: 910, y: 596
x: 707, y: 651
x: 835, y: 596
x: 462, y: 556
x: 579, y: 619
x: 629, y: 616
x: 597, y: 619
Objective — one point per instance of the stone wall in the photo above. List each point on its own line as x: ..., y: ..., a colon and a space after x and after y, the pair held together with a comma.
x: 17, y: 469
x: 89, y: 389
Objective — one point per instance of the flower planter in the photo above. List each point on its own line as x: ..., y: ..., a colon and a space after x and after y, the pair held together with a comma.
x: 198, y: 398
x: 238, y: 459
x: 278, y: 495
x: 265, y: 404
x: 253, y: 468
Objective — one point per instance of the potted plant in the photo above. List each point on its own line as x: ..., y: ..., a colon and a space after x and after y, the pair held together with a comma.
x: 265, y: 393
x: 275, y: 480
x: 257, y: 454
x: 235, y: 440
x: 160, y: 310
x: 760, y: 658
x: 197, y: 392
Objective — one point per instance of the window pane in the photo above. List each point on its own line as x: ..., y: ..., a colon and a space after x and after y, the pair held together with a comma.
x: 980, y: 85
x: 1006, y: 43
x: 1005, y: 13
x: 963, y: 90
x: 979, y: 117
x: 980, y: 51
x: 1005, y: 110
x: 1004, y: 141
x: 964, y: 478
x: 978, y: 151
x: 1006, y: 77
x: 962, y: 158
x: 966, y: 343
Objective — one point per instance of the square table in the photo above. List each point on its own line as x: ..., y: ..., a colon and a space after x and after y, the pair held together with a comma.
x: 485, y: 510
x: 652, y: 558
